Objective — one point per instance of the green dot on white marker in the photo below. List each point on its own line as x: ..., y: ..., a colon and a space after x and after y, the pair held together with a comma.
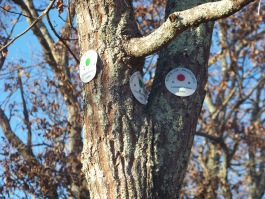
x: 87, y: 62
x: 87, y: 66
x: 140, y: 83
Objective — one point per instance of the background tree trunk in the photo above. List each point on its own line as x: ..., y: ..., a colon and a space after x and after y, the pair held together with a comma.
x: 58, y: 61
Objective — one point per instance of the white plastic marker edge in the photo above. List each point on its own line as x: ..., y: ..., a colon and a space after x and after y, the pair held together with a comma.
x: 88, y: 66
x: 137, y: 87
x: 181, y: 82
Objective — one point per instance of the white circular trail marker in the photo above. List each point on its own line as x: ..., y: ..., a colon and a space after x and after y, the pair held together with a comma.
x: 181, y: 82
x: 88, y: 66
x: 137, y: 87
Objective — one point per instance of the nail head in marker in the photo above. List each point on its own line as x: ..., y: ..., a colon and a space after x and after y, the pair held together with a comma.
x: 137, y: 87
x: 181, y: 82
x: 88, y: 66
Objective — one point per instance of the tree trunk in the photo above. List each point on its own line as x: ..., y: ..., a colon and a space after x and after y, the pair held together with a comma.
x: 117, y: 132
x: 133, y: 150
x: 175, y: 118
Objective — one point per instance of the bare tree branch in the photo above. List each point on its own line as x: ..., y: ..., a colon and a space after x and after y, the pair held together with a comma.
x: 16, y: 12
x: 4, y: 52
x: 53, y: 58
x: 179, y: 22
x: 243, y: 99
x: 69, y: 17
x: 39, y: 18
x: 215, y: 139
x: 26, y: 114
x: 13, y: 139
x: 60, y: 38
x: 225, y: 101
x: 209, y: 103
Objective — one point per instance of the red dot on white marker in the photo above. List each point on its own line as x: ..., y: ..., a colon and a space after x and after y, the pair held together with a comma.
x: 181, y: 77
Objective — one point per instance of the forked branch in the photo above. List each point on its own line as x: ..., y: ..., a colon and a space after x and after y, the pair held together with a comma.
x: 14, y: 140
x: 178, y: 22
x: 33, y: 24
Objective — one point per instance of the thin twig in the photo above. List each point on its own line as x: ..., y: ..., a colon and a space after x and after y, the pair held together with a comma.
x: 60, y: 38
x: 13, y: 27
x: 215, y: 139
x: 2, y: 56
x: 39, y: 18
x: 16, y: 13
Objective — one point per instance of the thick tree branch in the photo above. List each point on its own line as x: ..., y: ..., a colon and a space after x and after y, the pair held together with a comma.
x: 24, y: 151
x: 53, y: 58
x: 40, y: 32
x: 13, y: 139
x: 70, y: 16
x: 179, y: 22
x: 209, y: 103
x: 26, y: 114
x: 41, y: 26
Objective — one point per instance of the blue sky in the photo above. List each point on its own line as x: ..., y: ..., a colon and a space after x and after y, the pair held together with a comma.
x: 27, y: 48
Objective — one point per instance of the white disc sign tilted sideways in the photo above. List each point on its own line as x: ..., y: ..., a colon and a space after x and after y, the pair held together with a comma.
x: 88, y: 66
x: 137, y: 87
x: 181, y: 82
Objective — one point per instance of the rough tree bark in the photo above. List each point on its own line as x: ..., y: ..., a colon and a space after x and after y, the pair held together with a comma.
x: 131, y: 150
